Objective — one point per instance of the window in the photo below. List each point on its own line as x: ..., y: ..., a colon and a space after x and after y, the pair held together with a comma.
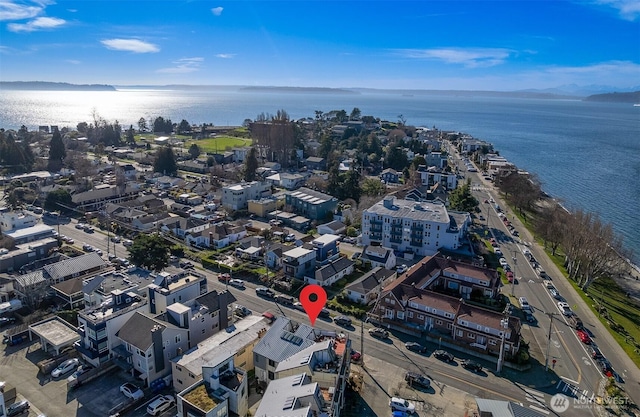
x: 271, y: 375
x: 180, y: 381
x: 492, y: 342
x: 439, y: 322
x: 410, y: 314
x: 203, y: 330
x: 177, y: 338
x: 272, y: 363
x: 202, y: 319
x: 400, y: 315
x: 420, y: 317
x: 459, y: 333
x: 471, y: 335
x: 191, y: 375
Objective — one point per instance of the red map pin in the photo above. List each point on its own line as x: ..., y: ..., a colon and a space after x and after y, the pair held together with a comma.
x: 313, y: 298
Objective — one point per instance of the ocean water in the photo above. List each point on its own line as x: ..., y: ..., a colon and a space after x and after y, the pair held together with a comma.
x: 585, y: 154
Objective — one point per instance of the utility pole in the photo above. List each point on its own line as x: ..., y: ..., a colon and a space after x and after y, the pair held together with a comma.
x: 362, y: 341
x: 546, y: 360
x: 504, y: 323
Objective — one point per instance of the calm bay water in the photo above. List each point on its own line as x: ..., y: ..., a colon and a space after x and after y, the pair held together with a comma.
x: 584, y: 153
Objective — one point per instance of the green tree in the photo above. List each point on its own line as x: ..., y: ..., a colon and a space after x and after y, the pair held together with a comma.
x: 417, y: 161
x: 351, y: 185
x: 160, y: 125
x: 142, y: 125
x: 57, y: 152
x: 251, y: 165
x: 58, y: 199
x: 165, y: 161
x: 373, y: 187
x: 396, y: 158
x: 184, y: 126
x: 461, y: 199
x: 194, y: 151
x: 150, y: 251
x: 355, y: 114
x: 131, y: 140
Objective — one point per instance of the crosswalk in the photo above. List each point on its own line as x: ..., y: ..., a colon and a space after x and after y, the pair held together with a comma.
x: 537, y: 399
x: 567, y: 388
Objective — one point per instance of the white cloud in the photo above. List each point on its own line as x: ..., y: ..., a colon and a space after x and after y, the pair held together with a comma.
x: 183, y: 66
x: 217, y: 11
x: 225, y: 56
x: 12, y: 10
x: 39, y: 23
x: 130, y: 45
x: 469, y: 57
x: 73, y: 61
x: 628, y: 9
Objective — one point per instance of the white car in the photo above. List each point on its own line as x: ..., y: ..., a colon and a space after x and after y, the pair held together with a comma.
x: 131, y: 391
x: 402, y: 269
x: 298, y: 306
x: 503, y: 262
x: 238, y: 283
x: 564, y: 308
x: 65, y: 367
x: 400, y: 404
x: 159, y: 405
x: 497, y: 251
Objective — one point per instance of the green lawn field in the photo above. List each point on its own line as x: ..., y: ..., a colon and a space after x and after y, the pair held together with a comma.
x: 219, y: 144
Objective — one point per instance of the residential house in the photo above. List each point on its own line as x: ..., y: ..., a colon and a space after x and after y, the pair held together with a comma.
x: 390, y: 176
x: 240, y: 154
x: 98, y: 326
x: 223, y: 390
x: 70, y: 291
x: 293, y: 396
x: 26, y: 253
x: 331, y: 272
x: 285, y: 338
x: 236, y: 197
x: 180, y: 225
x: 100, y: 195
x: 468, y: 145
x: 237, y: 340
x: 130, y: 173
x: 498, y: 408
x: 432, y: 175
x: 274, y: 255
x: 165, y: 182
x: 365, y: 289
x: 30, y: 234
x: 436, y: 159
x: 326, y: 248
x: 415, y: 227
x: 315, y: 163
x: 11, y: 220
x: 288, y: 180
x: 334, y: 227
x: 311, y: 204
x: 379, y: 256
x: 250, y: 247
x: 215, y: 236
x: 151, y: 344
x: 149, y: 222
x: 298, y: 262
x: 168, y: 289
x: 262, y: 207
x: 194, y: 165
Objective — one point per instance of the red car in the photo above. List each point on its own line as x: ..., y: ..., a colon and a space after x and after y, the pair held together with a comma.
x: 510, y: 276
x: 224, y: 277
x: 584, y: 337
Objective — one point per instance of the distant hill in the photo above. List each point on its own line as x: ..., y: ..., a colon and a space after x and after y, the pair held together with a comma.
x: 633, y: 97
x: 265, y: 89
x: 50, y: 86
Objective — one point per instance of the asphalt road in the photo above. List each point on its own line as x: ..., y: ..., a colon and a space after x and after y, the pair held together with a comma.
x: 580, y: 374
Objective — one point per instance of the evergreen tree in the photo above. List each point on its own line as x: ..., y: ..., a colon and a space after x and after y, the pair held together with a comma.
x: 165, y: 162
x: 251, y: 165
x: 150, y: 251
x: 461, y: 199
x: 57, y: 152
x: 58, y: 199
x: 194, y: 151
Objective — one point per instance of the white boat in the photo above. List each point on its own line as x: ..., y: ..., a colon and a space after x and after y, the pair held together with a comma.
x: 636, y: 105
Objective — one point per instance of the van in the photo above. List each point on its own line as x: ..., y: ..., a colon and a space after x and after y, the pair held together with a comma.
x: 524, y: 304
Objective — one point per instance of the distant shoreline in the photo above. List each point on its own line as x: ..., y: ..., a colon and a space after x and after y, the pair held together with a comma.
x: 51, y: 86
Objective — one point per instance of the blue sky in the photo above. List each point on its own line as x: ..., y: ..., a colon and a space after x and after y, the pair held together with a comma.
x: 460, y: 45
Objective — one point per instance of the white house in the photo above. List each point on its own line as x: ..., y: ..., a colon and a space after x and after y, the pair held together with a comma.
x: 365, y: 289
x: 379, y: 256
x: 235, y: 197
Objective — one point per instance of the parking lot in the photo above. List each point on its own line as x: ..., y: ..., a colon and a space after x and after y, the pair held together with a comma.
x: 18, y: 367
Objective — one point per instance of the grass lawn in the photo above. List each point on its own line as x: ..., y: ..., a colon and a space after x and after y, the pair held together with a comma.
x: 219, y: 144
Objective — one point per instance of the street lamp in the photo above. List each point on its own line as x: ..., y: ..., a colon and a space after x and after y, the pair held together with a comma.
x: 504, y: 323
x: 515, y: 264
x: 546, y: 360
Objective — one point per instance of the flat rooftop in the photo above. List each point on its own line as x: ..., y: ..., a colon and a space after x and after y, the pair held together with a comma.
x: 55, y: 331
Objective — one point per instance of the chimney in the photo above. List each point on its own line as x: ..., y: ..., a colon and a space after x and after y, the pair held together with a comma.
x: 387, y: 202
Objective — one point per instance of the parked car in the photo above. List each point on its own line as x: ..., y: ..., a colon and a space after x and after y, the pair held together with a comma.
x: 160, y: 404
x: 17, y: 408
x: 284, y: 299
x: 265, y: 292
x: 415, y: 347
x: 497, y: 251
x: 510, y: 277
x: 417, y: 380
x: 379, y: 332
x: 564, y: 308
x: 241, y: 311
x: 127, y: 242
x: 343, y: 321
x: 471, y: 365
x: 584, y: 336
x: 594, y: 352
x: 400, y: 404
x: 402, y: 269
x: 443, y: 355
x: 5, y: 321
x: 503, y: 262
x: 238, y: 283
x: 80, y: 225
x: 355, y: 355
x: 529, y: 317
x: 65, y: 367
x: 524, y: 304
x: 223, y: 277
x: 290, y: 238
x: 298, y: 306
x: 325, y: 313
x: 83, y: 369
x: 131, y: 391
x: 547, y: 283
